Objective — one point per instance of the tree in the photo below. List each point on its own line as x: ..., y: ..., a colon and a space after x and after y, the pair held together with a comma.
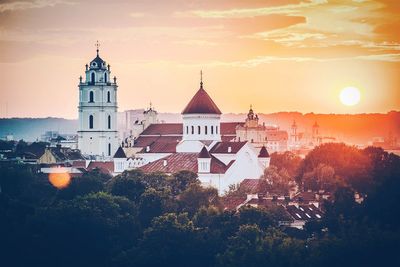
x: 151, y: 204
x: 128, y: 184
x: 87, y: 230
x: 180, y: 181
x: 195, y: 197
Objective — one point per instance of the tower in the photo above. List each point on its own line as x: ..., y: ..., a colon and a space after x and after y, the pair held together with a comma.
x: 150, y: 116
x: 97, y: 134
x: 294, y: 132
x: 252, y: 119
x: 201, y: 118
x: 315, y: 132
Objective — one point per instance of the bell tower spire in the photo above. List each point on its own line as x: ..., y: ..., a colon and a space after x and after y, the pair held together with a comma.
x: 201, y: 79
x: 97, y: 47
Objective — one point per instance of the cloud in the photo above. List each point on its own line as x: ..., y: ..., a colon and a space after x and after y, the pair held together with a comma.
x: 22, y: 5
x: 291, y: 9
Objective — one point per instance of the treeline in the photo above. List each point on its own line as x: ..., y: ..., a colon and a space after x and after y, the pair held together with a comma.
x: 137, y: 219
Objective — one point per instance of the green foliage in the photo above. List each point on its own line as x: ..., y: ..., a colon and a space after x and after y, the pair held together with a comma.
x: 161, y: 220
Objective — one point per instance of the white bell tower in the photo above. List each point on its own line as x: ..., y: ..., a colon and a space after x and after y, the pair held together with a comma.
x: 97, y: 134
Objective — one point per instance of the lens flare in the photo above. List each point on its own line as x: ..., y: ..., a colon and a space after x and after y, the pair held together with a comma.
x: 59, y: 178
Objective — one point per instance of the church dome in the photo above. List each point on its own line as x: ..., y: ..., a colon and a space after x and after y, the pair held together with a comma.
x: 98, y: 63
x: 201, y: 103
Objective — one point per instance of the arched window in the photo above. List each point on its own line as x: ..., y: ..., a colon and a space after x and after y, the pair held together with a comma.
x: 109, y: 149
x: 192, y: 129
x: 92, y: 77
x: 108, y: 97
x: 91, y: 96
x: 109, y: 121
x: 105, y: 77
x: 212, y: 129
x: 187, y: 129
x: 205, y: 130
x: 91, y: 122
x: 198, y: 129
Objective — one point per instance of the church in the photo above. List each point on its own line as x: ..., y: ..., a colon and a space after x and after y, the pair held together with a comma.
x: 97, y: 134
x: 201, y: 143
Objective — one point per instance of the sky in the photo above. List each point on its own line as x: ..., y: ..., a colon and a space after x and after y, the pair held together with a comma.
x: 281, y: 55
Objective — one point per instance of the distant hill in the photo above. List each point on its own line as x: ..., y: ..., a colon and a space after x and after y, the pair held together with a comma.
x: 354, y: 128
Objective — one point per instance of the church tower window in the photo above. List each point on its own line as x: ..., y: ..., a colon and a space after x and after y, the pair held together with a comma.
x: 92, y: 77
x: 205, y: 130
x: 187, y: 129
x: 105, y: 77
x: 109, y: 149
x: 91, y: 97
x: 212, y: 129
x: 108, y: 97
x: 216, y: 129
x: 91, y: 122
x: 198, y: 130
x: 109, y: 121
x: 192, y: 129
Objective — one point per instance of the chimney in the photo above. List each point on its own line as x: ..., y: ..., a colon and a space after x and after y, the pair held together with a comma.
x: 147, y: 148
x: 165, y: 163
x: 229, y: 149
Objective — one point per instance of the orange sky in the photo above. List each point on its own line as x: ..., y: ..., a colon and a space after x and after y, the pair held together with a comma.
x: 280, y: 55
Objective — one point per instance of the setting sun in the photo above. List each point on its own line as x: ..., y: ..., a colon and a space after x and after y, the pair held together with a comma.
x: 60, y: 178
x: 350, y: 96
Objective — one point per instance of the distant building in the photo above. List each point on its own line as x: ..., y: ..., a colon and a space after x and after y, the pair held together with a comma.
x: 274, y: 139
x: 59, y: 154
x: 97, y: 134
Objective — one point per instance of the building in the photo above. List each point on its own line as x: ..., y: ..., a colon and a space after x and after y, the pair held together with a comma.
x: 97, y: 134
x: 274, y: 139
x: 201, y: 144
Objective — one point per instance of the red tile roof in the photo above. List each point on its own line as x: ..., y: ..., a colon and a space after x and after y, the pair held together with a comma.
x: 161, y: 147
x: 163, y: 129
x: 229, y: 128
x: 223, y: 147
x: 201, y: 103
x: 276, y: 135
x: 250, y: 185
x: 231, y: 203
x: 204, y: 154
x: 183, y: 161
x: 263, y: 153
x: 143, y: 141
x: 176, y: 129
x: 304, y: 212
x: 104, y: 166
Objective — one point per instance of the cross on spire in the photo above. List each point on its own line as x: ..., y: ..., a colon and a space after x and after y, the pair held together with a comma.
x: 201, y: 79
x: 97, y: 47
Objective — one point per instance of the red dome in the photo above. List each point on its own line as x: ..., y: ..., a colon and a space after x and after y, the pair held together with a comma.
x: 201, y: 103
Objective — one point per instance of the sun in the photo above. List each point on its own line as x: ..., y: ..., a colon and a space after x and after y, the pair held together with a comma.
x: 350, y: 96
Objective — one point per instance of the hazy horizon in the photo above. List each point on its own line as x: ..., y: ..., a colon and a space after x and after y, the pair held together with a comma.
x: 276, y: 55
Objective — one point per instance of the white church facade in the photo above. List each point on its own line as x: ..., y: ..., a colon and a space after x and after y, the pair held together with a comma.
x: 97, y: 134
x: 201, y: 144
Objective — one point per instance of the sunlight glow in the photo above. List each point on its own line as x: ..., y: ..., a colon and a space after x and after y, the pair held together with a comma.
x: 350, y: 96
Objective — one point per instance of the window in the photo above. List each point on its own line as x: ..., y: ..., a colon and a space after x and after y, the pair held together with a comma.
x: 91, y: 122
x: 216, y: 129
x: 198, y: 129
x: 187, y: 129
x: 105, y: 77
x: 205, y: 130
x: 91, y: 97
x: 212, y: 129
x: 109, y: 149
x: 109, y: 121
x: 192, y: 129
x: 108, y: 97
x: 92, y: 77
